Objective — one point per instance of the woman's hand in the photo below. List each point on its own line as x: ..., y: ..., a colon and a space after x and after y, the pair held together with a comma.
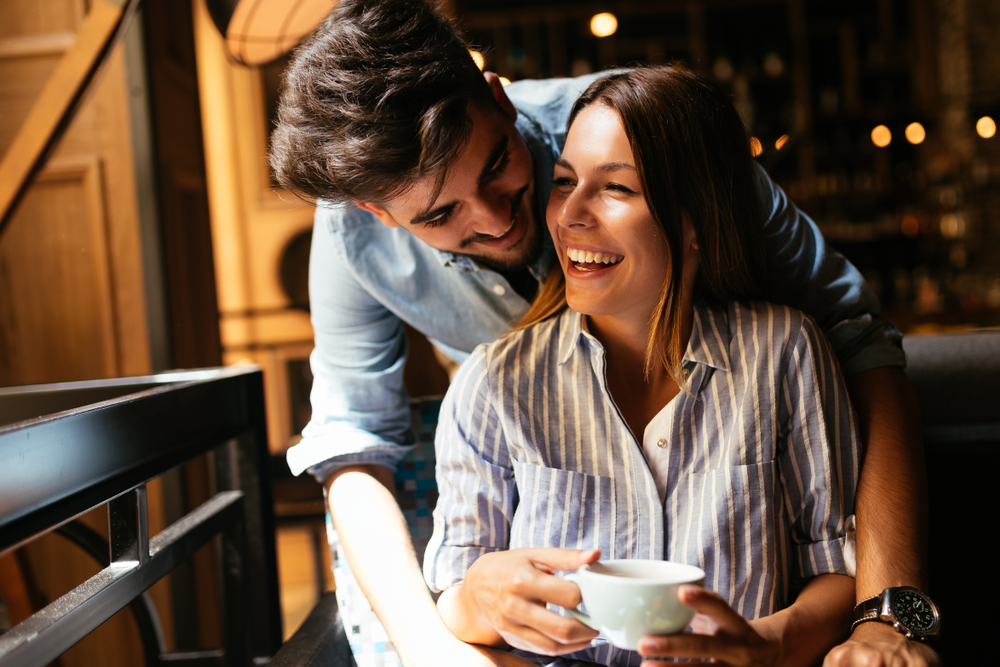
x: 718, y: 633
x: 505, y: 593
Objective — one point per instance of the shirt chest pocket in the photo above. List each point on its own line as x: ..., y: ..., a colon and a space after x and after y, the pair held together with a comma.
x: 731, y: 511
x: 562, y: 508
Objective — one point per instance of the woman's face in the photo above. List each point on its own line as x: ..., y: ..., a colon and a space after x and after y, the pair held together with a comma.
x: 612, y: 252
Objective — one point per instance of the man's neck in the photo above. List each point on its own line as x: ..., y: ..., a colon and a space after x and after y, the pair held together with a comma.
x: 523, y: 283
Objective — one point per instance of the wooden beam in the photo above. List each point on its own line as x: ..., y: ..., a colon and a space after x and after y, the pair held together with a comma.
x: 55, y: 105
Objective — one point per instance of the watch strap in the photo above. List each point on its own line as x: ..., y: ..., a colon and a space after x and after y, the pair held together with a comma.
x: 867, y: 610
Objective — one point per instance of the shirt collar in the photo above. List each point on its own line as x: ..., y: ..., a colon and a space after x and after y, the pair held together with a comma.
x: 709, y: 342
x: 710, y: 337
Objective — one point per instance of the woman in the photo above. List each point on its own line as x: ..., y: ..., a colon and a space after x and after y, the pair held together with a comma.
x: 662, y: 414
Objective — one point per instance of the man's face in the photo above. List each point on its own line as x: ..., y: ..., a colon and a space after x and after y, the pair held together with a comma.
x: 485, y: 208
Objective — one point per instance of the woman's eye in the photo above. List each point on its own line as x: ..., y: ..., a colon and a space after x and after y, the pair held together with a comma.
x: 561, y: 182
x: 617, y: 187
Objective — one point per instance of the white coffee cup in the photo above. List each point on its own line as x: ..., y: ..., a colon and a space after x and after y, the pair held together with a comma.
x: 629, y: 599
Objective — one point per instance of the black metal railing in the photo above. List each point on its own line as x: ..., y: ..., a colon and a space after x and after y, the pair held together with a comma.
x: 55, y: 466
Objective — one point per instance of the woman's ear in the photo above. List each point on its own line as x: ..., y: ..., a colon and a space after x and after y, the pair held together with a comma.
x: 689, y: 235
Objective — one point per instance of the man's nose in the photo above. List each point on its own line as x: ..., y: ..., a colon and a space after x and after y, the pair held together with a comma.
x: 491, y: 215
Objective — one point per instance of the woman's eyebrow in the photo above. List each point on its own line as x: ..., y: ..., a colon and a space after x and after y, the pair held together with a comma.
x: 606, y: 167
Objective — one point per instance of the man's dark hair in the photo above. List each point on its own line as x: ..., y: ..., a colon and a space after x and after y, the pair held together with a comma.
x: 377, y: 98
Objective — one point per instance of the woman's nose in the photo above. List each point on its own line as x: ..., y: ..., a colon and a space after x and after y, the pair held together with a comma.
x: 574, y: 210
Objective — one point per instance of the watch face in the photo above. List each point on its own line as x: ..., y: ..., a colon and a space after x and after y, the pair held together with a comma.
x: 913, y: 611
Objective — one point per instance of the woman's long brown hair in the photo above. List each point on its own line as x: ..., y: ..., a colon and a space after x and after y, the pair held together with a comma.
x: 692, y: 155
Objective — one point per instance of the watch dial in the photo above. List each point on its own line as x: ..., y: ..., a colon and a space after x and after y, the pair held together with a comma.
x: 913, y: 611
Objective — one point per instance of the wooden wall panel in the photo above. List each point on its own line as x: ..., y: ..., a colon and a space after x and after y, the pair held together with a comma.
x: 58, y: 320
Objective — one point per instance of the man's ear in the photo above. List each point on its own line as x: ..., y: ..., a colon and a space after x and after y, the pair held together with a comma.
x: 378, y: 212
x: 500, y: 95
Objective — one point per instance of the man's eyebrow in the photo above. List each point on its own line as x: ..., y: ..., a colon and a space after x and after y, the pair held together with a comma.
x: 499, y: 148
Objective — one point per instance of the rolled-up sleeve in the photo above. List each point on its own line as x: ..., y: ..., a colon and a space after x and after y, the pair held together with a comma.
x: 806, y: 273
x: 476, y: 489
x: 360, y: 410
x: 819, y: 462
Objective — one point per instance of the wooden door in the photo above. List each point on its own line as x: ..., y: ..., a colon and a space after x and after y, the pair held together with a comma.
x: 72, y: 289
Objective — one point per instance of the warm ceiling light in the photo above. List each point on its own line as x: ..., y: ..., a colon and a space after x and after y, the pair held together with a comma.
x: 985, y: 127
x: 915, y: 133
x: 258, y: 31
x: 603, y: 24
x: 780, y: 143
x: 881, y: 136
x: 477, y: 58
x: 755, y: 146
x: 505, y: 81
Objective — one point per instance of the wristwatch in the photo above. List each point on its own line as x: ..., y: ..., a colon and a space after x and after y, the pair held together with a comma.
x: 910, y: 611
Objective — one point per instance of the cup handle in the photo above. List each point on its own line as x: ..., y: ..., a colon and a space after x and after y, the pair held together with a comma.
x: 576, y: 613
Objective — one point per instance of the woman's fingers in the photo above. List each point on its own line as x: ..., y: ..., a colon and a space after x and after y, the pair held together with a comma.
x: 711, y: 604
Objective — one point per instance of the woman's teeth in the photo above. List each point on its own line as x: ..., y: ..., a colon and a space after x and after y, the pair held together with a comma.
x: 588, y: 257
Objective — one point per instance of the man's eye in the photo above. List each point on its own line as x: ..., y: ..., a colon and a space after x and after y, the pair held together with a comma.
x: 499, y: 167
x: 440, y: 220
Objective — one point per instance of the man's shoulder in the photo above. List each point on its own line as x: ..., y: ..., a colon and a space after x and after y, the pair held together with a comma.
x: 547, y: 102
x: 341, y: 217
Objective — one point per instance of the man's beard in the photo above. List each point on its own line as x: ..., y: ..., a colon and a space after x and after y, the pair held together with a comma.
x: 529, y: 247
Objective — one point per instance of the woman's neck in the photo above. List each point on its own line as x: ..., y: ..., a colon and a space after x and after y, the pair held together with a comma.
x: 639, y: 396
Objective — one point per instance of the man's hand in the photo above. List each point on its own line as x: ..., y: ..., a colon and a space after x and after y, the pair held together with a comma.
x: 719, y: 633
x: 879, y: 645
x: 504, y: 595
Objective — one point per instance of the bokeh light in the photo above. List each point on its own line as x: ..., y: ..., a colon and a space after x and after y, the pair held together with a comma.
x: 505, y: 81
x: 755, y: 146
x: 603, y: 24
x: 881, y: 136
x: 909, y: 225
x: 477, y: 57
x: 915, y: 133
x: 986, y: 127
x: 780, y: 143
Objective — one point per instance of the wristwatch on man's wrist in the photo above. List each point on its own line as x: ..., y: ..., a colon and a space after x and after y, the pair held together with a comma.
x: 909, y: 611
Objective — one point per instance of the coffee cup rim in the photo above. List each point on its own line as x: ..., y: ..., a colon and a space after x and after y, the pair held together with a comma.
x: 693, y: 575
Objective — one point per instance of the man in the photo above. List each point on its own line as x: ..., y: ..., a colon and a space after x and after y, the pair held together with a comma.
x: 431, y: 181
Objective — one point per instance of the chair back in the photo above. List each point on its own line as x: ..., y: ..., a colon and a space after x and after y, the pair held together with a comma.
x: 957, y: 380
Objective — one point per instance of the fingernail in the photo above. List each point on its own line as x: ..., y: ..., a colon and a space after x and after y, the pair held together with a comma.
x: 650, y: 645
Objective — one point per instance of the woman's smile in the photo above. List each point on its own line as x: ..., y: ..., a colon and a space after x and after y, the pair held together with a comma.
x: 612, y: 251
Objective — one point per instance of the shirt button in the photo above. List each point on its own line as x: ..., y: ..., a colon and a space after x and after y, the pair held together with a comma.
x: 499, y: 290
x: 661, y: 443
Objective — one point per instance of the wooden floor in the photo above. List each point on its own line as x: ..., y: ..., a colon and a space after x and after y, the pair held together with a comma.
x: 304, y: 571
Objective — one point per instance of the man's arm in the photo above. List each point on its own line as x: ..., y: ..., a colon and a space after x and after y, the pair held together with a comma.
x: 891, y: 501
x: 360, y: 428
x: 891, y: 513
x: 377, y: 544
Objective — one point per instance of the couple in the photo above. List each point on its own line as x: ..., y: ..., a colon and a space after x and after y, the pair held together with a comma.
x: 661, y: 414
x: 434, y: 182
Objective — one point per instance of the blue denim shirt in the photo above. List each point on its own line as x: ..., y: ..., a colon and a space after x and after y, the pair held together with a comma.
x: 366, y: 279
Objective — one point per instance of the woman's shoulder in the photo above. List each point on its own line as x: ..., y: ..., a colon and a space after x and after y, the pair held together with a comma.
x: 520, y: 346
x: 765, y: 317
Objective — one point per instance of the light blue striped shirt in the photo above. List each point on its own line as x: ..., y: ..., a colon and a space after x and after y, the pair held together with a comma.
x: 751, y: 476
